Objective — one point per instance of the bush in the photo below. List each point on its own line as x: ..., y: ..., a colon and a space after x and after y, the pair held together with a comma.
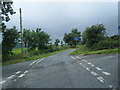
x: 10, y: 37
x: 106, y: 44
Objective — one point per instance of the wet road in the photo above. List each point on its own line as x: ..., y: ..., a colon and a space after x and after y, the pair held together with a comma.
x: 63, y: 71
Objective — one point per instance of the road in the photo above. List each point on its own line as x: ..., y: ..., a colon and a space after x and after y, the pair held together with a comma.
x: 63, y: 71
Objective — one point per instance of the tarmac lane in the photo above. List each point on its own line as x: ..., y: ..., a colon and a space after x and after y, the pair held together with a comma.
x: 63, y: 71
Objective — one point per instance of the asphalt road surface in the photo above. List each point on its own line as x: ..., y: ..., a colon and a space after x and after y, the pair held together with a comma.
x: 63, y: 71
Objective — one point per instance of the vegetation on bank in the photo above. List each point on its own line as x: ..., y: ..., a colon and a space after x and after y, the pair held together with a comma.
x: 86, y: 51
x: 96, y: 41
x: 22, y: 58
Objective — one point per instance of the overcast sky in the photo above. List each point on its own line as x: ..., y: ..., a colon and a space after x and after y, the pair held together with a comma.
x: 57, y: 18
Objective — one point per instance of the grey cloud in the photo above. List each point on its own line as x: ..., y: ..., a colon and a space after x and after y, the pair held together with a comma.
x: 59, y: 18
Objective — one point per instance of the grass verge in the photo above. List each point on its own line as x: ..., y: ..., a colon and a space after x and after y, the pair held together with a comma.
x: 33, y: 57
x: 85, y: 51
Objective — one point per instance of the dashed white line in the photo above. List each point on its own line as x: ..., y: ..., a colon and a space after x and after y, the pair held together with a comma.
x: 83, y: 66
x: 84, y: 61
x: 98, y: 68
x: 92, y: 65
x: 32, y: 63
x: 78, y: 57
x: 87, y: 69
x: 106, y: 73
x: 39, y: 60
x: 18, y: 72
x: 100, y: 79
x: 73, y: 57
x: 21, y: 75
x: 26, y: 72
x: 42, y: 58
x: 89, y: 63
x: 2, y: 81
x: 80, y: 63
x: 15, y: 80
x: 94, y: 73
x: 110, y: 86
x: 10, y: 77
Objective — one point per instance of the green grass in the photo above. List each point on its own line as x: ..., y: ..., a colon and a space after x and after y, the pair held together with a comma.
x: 17, y: 50
x: 22, y: 58
x: 85, y: 51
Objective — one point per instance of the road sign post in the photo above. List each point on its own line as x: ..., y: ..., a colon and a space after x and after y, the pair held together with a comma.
x: 75, y: 38
x: 118, y: 27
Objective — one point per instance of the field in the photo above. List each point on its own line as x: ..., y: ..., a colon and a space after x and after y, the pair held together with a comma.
x: 17, y: 50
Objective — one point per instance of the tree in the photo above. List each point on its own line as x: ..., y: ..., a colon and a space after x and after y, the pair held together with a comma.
x: 26, y: 37
x: 10, y: 37
x: 84, y: 37
x: 115, y: 37
x: 93, y: 35
x: 57, y: 41
x: 8, y: 41
x: 69, y: 38
x: 62, y: 43
x: 6, y: 9
x: 36, y: 39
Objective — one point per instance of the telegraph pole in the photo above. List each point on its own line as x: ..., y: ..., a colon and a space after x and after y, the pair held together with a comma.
x: 21, y: 31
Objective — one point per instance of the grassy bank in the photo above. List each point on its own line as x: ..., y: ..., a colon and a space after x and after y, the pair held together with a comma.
x: 85, y: 51
x: 26, y: 58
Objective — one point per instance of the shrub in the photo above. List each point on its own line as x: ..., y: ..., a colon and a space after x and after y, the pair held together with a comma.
x: 106, y: 44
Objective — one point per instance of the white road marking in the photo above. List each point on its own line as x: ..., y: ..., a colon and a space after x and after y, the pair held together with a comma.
x: 89, y: 63
x: 14, y: 79
x: 106, y: 73
x: 40, y: 60
x: 88, y: 69
x: 32, y: 63
x: 2, y: 81
x: 92, y: 65
x: 78, y: 57
x: 85, y: 67
x: 18, y: 72
x: 84, y: 61
x: 21, y: 75
x: 110, y: 86
x: 98, y: 68
x: 100, y: 79
x: 10, y: 77
x: 80, y: 63
x: 94, y: 73
x: 73, y: 57
x: 26, y: 72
